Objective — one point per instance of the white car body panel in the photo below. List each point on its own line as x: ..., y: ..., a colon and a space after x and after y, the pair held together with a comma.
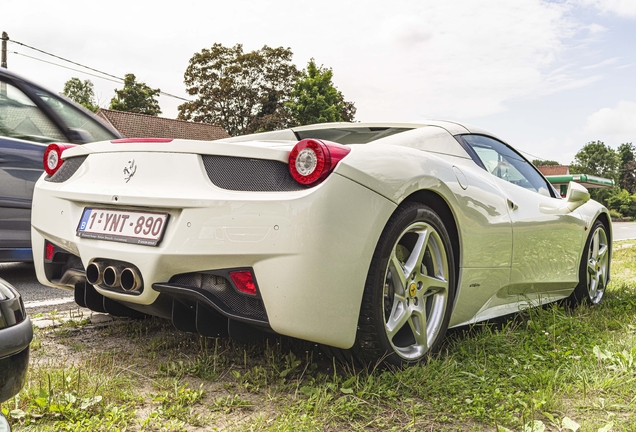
x: 293, y: 231
x: 310, y: 249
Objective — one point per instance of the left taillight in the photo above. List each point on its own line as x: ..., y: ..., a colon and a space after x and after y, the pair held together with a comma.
x: 311, y: 160
x: 53, y: 157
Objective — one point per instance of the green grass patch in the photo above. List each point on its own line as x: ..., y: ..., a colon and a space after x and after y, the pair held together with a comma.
x: 544, y: 369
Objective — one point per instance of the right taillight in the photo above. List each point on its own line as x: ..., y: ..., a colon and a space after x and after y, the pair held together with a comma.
x: 53, y: 157
x: 311, y: 160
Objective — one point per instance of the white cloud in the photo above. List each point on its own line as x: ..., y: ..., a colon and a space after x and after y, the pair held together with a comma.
x: 624, y: 8
x: 476, y: 59
x: 613, y: 125
x: 601, y: 64
x: 458, y: 59
x: 596, y: 28
x: 405, y: 31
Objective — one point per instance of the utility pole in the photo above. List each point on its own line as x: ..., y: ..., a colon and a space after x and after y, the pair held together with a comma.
x: 5, y: 38
x: 3, y: 85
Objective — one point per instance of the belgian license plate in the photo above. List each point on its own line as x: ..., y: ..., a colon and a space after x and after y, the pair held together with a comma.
x: 125, y: 226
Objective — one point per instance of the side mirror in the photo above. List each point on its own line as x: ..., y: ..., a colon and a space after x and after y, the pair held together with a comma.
x: 80, y: 136
x: 576, y: 196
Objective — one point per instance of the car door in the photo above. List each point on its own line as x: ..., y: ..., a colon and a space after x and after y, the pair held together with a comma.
x: 24, y: 133
x: 546, y: 244
x: 30, y: 119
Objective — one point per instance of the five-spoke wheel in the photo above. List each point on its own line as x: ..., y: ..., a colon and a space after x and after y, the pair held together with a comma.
x: 415, y: 294
x: 408, y: 297
x: 594, y: 271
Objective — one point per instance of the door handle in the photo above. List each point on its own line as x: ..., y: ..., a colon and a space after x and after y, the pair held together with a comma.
x: 511, y: 204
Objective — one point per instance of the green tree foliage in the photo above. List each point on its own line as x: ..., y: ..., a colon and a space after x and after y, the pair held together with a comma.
x: 241, y: 92
x: 81, y: 92
x: 597, y: 159
x: 627, y: 172
x: 623, y: 202
x: 136, y: 97
x: 316, y: 100
x: 543, y: 162
x: 601, y: 160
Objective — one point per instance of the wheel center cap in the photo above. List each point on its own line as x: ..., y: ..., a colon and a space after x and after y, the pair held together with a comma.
x: 412, y: 289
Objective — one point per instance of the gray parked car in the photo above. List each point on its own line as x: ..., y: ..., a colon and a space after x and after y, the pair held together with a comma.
x: 15, y: 336
x: 30, y: 119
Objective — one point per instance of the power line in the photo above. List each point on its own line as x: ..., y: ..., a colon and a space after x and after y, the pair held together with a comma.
x: 86, y: 67
x: 530, y: 154
x: 66, y: 60
x: 65, y: 67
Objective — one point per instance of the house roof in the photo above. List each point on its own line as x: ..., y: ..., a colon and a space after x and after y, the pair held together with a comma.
x: 133, y: 125
x: 547, y: 170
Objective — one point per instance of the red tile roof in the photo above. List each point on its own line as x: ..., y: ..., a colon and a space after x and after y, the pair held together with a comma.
x: 133, y: 125
x: 547, y: 170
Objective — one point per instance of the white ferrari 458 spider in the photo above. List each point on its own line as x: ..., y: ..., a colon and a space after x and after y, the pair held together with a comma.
x: 371, y: 239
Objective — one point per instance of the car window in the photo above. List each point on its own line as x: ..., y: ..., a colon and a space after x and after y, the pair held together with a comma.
x: 21, y: 118
x: 75, y: 118
x: 503, y: 162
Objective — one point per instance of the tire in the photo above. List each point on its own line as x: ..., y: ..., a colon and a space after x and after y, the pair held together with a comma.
x: 594, y: 268
x: 409, y: 292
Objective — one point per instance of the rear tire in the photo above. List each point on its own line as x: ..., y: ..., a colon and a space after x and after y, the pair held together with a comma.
x: 594, y: 269
x: 409, y: 292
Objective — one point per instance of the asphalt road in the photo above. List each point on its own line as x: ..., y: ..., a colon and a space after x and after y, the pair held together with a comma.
x: 624, y: 230
x: 39, y: 298
x: 36, y: 297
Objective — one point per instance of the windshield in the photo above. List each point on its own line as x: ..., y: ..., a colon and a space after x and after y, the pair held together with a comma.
x: 76, y: 118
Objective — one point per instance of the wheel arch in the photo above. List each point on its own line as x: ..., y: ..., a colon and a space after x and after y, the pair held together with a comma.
x: 604, y: 218
x: 436, y: 202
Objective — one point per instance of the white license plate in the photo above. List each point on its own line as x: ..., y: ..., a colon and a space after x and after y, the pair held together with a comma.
x: 125, y: 226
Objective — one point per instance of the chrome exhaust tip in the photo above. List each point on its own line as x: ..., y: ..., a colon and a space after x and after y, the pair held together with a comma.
x: 94, y: 273
x: 130, y: 280
x: 111, y: 276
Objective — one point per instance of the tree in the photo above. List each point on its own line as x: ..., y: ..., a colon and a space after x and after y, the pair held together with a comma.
x: 627, y: 171
x: 623, y: 202
x: 81, y: 92
x: 316, y: 100
x: 542, y: 162
x: 597, y: 159
x: 136, y: 97
x: 241, y: 92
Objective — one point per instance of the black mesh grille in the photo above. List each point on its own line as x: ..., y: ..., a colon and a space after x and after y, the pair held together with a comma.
x: 222, y: 290
x: 244, y: 174
x: 66, y: 171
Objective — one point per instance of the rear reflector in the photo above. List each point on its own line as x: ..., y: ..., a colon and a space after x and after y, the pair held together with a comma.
x: 141, y: 140
x: 244, y: 281
x: 49, y: 251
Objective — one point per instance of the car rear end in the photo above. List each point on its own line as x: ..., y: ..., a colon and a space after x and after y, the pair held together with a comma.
x: 206, y: 232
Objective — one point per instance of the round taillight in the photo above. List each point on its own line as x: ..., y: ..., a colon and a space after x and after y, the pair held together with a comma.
x: 311, y: 161
x: 53, y: 157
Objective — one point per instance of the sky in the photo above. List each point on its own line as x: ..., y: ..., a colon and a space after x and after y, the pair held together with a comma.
x: 545, y: 76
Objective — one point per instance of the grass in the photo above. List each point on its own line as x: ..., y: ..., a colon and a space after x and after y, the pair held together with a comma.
x: 548, y: 368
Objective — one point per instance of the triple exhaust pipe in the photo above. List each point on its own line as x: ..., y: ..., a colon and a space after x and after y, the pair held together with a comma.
x: 113, y: 276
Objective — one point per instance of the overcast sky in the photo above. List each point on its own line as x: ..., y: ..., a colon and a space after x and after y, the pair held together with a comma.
x: 546, y: 76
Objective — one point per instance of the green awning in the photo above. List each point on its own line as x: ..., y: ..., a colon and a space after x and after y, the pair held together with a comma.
x: 589, y: 181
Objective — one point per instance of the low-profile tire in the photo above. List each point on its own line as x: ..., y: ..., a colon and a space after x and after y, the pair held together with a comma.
x: 594, y: 269
x: 409, y: 291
